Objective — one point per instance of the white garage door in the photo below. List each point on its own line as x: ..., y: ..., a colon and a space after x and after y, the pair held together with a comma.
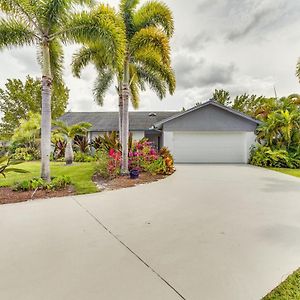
x: 210, y: 147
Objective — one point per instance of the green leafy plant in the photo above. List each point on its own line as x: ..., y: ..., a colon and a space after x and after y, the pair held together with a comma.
x: 69, y: 133
x: 6, y: 164
x: 83, y: 157
x: 81, y: 144
x: 26, y: 154
x: 56, y: 183
x: 155, y: 167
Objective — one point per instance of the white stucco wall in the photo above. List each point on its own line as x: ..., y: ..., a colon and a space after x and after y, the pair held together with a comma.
x: 138, y: 135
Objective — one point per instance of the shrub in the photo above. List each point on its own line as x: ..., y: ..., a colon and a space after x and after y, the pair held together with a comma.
x: 83, y: 157
x: 155, y: 167
x: 81, y: 144
x: 108, y: 165
x: 26, y: 154
x: 169, y: 160
x: 263, y: 156
x: 57, y: 183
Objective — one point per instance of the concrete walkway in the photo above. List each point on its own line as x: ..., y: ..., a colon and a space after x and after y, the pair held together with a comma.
x: 207, y: 232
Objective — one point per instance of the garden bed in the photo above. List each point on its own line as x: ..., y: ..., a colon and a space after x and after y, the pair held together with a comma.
x: 7, y: 195
x: 122, y: 182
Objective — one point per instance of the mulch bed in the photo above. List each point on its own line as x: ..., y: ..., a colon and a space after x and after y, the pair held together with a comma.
x: 122, y: 182
x: 7, y: 195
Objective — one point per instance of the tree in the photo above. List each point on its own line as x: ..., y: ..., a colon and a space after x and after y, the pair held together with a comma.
x: 18, y: 99
x: 69, y: 133
x: 47, y: 24
x: 148, y: 32
x: 147, y: 61
x: 221, y: 96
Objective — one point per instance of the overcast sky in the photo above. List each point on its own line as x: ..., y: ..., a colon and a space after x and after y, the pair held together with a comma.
x: 238, y: 45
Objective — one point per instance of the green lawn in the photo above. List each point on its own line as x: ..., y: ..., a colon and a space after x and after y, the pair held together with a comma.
x: 288, y: 290
x: 292, y: 172
x: 80, y: 174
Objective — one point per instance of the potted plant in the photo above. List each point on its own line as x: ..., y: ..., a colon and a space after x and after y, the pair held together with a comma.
x: 134, y: 173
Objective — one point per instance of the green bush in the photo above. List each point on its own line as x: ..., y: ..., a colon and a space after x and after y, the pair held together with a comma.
x: 57, y: 183
x: 108, y: 165
x: 26, y: 154
x: 83, y: 157
x: 278, y: 158
x: 155, y: 167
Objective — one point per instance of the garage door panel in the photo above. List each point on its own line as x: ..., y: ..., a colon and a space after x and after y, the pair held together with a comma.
x: 211, y: 147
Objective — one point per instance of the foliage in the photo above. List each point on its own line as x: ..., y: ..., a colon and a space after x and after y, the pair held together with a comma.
x: 263, y: 156
x: 28, y: 132
x: 27, y: 154
x: 155, y: 167
x: 80, y: 174
x: 221, y: 96
x: 148, y: 30
x: 60, y: 145
x: 81, y: 144
x: 165, y: 153
x: 70, y: 132
x: 6, y: 164
x: 47, y: 25
x: 83, y: 157
x: 107, y: 141
x: 19, y: 98
x: 56, y: 183
x: 108, y: 164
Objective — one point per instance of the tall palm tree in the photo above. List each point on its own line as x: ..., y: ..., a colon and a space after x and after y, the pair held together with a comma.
x: 47, y: 24
x: 69, y: 133
x: 148, y: 32
x: 146, y: 63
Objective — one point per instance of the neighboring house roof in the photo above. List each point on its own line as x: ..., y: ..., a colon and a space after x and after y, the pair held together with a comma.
x: 109, y: 121
x: 159, y: 124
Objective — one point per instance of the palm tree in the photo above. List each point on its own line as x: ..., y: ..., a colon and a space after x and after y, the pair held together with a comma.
x: 147, y: 61
x: 69, y: 133
x: 47, y: 24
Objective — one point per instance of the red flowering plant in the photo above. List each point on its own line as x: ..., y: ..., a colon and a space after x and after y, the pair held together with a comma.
x: 141, y: 154
x: 114, y: 162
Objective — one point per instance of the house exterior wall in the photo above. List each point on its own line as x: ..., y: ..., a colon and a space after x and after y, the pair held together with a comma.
x: 210, y: 118
x: 137, y: 135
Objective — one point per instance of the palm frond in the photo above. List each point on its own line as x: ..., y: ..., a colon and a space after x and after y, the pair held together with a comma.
x: 152, y: 61
x: 85, y: 28
x: 157, y: 14
x: 15, y: 33
x: 81, y: 59
x: 153, y: 80
x: 102, y: 84
x: 151, y: 37
x: 134, y: 87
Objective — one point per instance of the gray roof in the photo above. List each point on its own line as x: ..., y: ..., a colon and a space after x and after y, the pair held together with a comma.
x: 210, y: 102
x: 108, y: 121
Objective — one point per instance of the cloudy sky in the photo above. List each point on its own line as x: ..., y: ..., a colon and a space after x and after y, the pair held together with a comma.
x: 239, y: 45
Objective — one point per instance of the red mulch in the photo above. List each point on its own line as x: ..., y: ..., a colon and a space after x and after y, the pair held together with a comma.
x: 7, y: 195
x: 125, y: 181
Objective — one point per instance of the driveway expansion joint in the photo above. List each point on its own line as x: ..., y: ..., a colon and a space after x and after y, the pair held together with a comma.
x: 129, y: 249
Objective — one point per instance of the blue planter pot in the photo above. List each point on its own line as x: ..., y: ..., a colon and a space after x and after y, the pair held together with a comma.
x: 134, y: 174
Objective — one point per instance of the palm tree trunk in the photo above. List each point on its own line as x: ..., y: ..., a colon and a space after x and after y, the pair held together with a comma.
x: 69, y: 154
x: 46, y: 114
x: 125, y: 119
x: 120, y: 115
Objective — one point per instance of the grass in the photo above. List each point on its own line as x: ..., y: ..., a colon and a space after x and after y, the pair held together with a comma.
x: 80, y: 174
x: 292, y: 172
x: 288, y: 290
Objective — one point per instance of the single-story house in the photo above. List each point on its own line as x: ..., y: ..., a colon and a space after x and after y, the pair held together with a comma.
x: 207, y: 133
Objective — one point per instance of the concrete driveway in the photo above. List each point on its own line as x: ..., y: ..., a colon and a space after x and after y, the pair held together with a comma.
x: 207, y: 232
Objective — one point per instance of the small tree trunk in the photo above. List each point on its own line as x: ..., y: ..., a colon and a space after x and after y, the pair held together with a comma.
x: 46, y: 114
x: 120, y: 116
x: 69, y: 154
x: 125, y: 119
